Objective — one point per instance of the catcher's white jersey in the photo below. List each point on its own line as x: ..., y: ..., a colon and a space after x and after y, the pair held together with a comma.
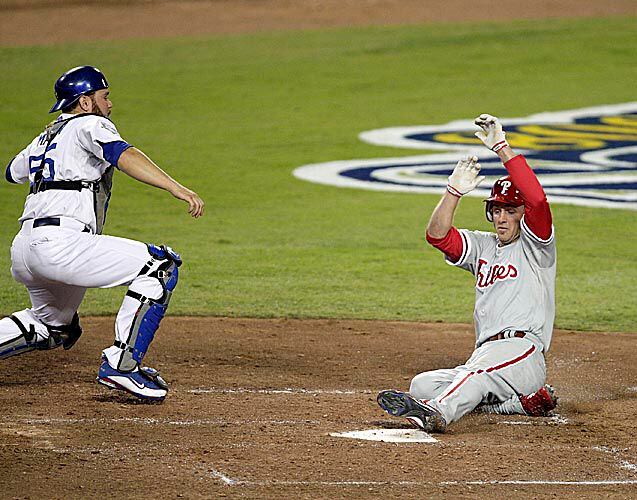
x: 515, y: 283
x: 83, y: 149
x: 59, y: 251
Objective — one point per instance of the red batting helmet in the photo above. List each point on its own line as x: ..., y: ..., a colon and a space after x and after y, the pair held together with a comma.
x: 505, y: 193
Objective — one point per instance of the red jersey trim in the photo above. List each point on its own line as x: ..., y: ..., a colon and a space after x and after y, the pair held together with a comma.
x: 528, y: 231
x: 466, y: 250
x: 513, y: 361
x: 456, y: 386
x: 453, y: 245
x: 487, y: 370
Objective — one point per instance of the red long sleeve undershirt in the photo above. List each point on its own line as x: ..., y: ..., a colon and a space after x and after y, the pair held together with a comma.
x: 537, y: 212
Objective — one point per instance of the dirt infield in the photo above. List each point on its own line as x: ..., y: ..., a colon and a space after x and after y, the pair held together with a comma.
x: 37, y: 22
x: 252, y: 404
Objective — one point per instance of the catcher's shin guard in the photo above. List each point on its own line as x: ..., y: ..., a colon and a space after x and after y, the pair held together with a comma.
x: 15, y: 337
x: 149, y: 295
x: 21, y: 332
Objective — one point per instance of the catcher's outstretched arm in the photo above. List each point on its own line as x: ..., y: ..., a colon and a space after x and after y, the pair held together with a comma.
x: 137, y: 165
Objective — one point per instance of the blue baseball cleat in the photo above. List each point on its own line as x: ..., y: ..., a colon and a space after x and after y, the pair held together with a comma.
x: 143, y: 382
x: 421, y: 415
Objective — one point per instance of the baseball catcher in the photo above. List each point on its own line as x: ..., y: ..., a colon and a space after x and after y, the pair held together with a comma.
x: 514, y: 269
x: 60, y: 250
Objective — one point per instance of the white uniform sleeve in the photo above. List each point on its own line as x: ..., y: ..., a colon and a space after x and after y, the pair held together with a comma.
x: 472, y: 242
x: 17, y: 171
x: 100, y: 137
x: 541, y: 252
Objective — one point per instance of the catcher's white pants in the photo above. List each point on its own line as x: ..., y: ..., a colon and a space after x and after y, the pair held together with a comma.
x: 58, y: 263
x: 497, y: 371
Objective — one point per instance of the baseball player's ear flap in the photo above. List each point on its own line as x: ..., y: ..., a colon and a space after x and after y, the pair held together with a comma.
x: 487, y: 211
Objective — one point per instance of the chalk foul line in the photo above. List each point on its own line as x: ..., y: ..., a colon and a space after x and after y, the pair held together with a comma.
x: 285, y: 390
x: 556, y: 419
x: 223, y: 478
x: 157, y: 421
x: 229, y: 481
x: 624, y: 464
x: 542, y: 482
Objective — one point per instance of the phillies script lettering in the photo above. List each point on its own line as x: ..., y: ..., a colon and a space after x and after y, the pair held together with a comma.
x: 487, y: 277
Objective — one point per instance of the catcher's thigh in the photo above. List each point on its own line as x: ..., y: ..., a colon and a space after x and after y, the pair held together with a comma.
x: 73, y: 258
x: 70, y: 257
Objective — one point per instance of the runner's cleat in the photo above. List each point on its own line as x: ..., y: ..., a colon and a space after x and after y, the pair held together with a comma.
x: 401, y: 404
x: 539, y: 403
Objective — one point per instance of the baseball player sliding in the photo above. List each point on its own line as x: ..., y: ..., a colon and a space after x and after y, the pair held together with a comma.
x: 515, y: 297
x: 59, y: 251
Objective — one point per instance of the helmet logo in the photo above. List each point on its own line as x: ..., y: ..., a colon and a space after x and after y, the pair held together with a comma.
x: 505, y: 186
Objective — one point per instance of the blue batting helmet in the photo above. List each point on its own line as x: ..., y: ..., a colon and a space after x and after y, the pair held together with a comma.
x: 75, y: 83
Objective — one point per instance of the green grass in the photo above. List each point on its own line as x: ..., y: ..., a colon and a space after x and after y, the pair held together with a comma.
x: 233, y: 116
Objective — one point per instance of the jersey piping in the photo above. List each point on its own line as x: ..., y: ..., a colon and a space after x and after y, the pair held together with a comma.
x: 466, y: 250
x: 7, y: 173
x: 528, y: 231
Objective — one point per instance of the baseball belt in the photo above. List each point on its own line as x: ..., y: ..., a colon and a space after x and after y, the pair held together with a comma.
x: 53, y: 221
x: 506, y: 334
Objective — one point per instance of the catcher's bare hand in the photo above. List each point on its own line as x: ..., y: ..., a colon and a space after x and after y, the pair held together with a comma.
x: 195, y: 203
x: 464, y: 177
x: 491, y: 133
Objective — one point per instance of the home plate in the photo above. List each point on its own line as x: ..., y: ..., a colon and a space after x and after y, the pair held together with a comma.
x: 389, y: 435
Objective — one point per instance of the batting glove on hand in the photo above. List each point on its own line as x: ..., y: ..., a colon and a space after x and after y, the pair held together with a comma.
x: 464, y: 177
x: 491, y: 133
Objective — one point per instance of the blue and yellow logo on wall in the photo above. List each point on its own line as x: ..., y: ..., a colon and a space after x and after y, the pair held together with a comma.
x: 582, y: 157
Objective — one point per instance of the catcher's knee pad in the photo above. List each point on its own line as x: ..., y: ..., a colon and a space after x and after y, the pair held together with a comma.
x: 66, y: 335
x: 164, y: 268
x: 20, y: 333
x: 167, y: 271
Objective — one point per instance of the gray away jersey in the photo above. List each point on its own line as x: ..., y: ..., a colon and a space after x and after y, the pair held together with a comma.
x: 515, y: 284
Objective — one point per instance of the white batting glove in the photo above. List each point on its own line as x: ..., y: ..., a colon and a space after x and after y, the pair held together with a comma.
x: 491, y: 133
x: 464, y: 177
